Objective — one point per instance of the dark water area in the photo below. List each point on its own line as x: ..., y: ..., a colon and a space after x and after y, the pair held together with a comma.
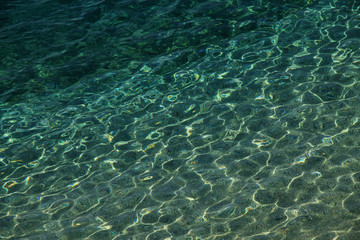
x: 207, y: 119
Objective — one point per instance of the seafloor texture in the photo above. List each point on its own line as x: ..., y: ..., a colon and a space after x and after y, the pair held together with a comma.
x: 135, y: 119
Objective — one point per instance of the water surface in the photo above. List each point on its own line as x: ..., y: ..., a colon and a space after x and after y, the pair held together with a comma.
x: 138, y: 119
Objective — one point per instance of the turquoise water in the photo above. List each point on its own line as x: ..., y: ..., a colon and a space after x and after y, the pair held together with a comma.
x: 136, y: 119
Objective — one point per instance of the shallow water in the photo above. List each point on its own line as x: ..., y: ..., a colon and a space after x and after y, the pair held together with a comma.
x: 141, y: 119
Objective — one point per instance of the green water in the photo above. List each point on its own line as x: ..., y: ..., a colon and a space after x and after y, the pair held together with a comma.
x: 137, y: 119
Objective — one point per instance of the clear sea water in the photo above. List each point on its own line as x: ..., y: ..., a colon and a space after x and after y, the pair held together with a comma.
x: 182, y: 119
